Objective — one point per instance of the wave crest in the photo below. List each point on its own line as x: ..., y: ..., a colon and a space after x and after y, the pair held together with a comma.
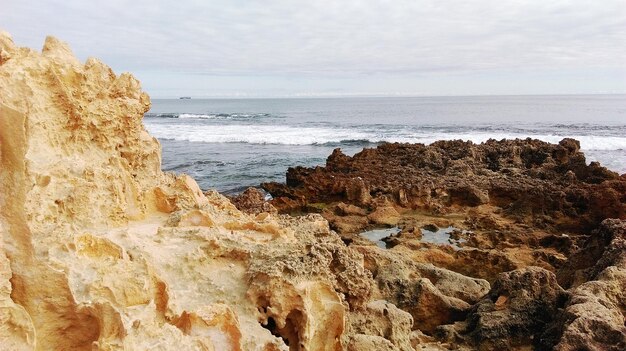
x: 217, y: 116
x: 329, y: 136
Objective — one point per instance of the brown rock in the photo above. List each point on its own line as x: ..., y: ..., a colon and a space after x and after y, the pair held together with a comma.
x: 357, y: 192
x: 605, y: 246
x: 347, y: 224
x: 517, y: 310
x: 594, y: 315
x: 386, y: 215
x: 343, y: 209
x: 431, y: 308
x: 433, y: 296
x: 529, y: 179
x: 361, y: 342
x: 468, y: 195
x: 252, y: 201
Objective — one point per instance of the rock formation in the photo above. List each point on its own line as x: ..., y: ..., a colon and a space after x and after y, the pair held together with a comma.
x: 528, y: 179
x: 520, y: 214
x: 100, y: 249
x: 515, y: 203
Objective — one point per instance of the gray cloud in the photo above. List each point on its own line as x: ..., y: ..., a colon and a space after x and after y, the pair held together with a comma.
x: 350, y: 40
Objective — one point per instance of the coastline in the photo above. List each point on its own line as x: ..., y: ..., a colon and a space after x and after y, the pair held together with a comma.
x: 231, y: 144
x: 101, y: 249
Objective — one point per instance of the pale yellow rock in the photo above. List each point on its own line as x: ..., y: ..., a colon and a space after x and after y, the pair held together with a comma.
x: 381, y: 319
x: 100, y: 250
x: 16, y: 328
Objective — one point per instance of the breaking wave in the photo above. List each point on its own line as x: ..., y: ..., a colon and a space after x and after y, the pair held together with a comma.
x: 216, y: 116
x: 342, y: 136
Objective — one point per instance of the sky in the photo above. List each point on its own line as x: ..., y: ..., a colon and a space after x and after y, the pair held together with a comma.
x: 291, y: 48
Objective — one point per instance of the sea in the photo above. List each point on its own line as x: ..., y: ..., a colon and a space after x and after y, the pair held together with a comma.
x: 232, y: 144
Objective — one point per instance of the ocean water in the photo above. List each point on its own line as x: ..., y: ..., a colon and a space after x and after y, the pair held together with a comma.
x: 230, y: 144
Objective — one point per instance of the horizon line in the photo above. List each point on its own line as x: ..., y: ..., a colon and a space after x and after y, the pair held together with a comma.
x: 343, y: 96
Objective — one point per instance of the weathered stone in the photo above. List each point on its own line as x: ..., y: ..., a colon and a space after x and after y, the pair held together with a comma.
x: 517, y: 309
x: 383, y: 319
x: 252, y: 201
x: 384, y: 215
x: 99, y: 249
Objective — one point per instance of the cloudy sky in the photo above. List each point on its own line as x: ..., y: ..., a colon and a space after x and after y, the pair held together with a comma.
x: 330, y: 48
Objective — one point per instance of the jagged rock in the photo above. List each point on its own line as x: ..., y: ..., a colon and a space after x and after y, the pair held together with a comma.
x: 468, y: 195
x: 527, y: 178
x: 252, y: 201
x: 594, y: 316
x: 16, y: 329
x: 433, y: 296
x: 360, y: 342
x: 606, y: 246
x: 517, y: 309
x: 430, y: 307
x: 380, y: 319
x: 455, y: 285
x: 349, y: 210
x: 512, y: 203
x: 386, y: 215
x: 99, y: 249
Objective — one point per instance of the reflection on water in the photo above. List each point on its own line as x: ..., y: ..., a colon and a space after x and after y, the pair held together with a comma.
x: 434, y: 236
x: 442, y: 236
x: 377, y: 235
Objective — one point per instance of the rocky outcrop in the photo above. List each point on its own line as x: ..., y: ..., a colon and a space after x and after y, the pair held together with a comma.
x: 382, y: 323
x: 527, y: 179
x: 433, y: 296
x: 512, y: 203
x: 594, y: 317
x: 526, y: 308
x: 517, y: 310
x: 101, y: 250
x: 252, y: 201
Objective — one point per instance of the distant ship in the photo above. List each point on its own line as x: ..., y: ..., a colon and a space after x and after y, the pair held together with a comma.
x: 185, y: 97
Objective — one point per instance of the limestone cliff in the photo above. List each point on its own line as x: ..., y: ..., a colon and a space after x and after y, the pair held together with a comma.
x: 100, y: 249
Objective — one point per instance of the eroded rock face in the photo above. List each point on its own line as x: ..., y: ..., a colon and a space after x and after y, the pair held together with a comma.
x: 522, y: 214
x: 594, y: 317
x: 517, y: 310
x: 433, y: 296
x: 252, y: 201
x: 526, y: 308
x: 380, y: 322
x: 101, y: 250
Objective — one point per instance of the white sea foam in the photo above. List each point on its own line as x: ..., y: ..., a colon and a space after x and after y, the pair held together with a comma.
x: 294, y: 135
x: 215, y: 116
x: 194, y: 115
x: 254, y: 134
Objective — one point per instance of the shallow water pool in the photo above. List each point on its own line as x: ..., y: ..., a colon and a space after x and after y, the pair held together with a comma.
x: 376, y: 235
x: 442, y: 236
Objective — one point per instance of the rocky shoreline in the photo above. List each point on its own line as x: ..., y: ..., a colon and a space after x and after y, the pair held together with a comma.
x: 101, y: 250
x: 508, y: 203
x: 527, y: 218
